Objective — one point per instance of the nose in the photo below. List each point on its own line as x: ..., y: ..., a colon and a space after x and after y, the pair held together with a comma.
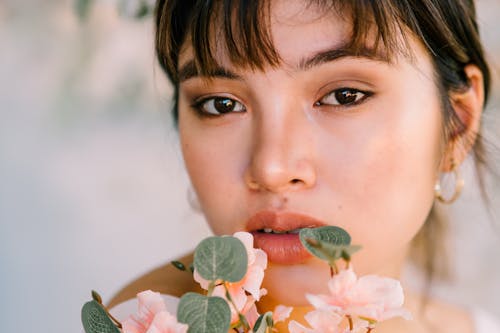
x: 282, y: 155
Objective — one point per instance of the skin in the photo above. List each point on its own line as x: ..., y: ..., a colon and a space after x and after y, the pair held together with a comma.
x: 352, y: 166
x: 368, y: 166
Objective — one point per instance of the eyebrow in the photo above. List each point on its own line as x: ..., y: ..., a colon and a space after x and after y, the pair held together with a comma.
x: 323, y: 57
x: 189, y: 70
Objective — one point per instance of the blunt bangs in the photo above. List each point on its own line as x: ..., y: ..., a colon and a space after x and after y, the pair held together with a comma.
x: 242, y: 29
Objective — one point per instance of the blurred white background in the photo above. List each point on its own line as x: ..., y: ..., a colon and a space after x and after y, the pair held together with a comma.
x: 92, y: 187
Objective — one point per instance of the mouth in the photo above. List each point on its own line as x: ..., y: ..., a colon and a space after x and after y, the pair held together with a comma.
x: 277, y: 234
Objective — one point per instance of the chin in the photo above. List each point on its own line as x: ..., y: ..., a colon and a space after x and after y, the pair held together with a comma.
x: 290, y: 283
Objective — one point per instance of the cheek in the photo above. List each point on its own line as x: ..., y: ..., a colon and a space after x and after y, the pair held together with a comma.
x: 384, y: 176
x: 215, y: 169
x: 409, y: 157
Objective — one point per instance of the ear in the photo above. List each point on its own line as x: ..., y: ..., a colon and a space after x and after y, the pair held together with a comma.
x: 468, y: 106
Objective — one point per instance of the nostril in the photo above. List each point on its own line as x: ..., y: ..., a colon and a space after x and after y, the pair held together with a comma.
x: 295, y: 181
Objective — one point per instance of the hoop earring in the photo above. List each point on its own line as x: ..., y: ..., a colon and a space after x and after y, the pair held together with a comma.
x: 459, y: 185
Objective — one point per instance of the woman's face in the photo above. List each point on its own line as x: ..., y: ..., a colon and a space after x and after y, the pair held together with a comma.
x: 324, y: 138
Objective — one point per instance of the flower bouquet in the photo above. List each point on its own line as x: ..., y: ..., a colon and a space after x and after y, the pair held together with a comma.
x: 231, y: 271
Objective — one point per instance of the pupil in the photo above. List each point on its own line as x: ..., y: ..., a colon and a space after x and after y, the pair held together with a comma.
x: 224, y: 105
x: 345, y: 96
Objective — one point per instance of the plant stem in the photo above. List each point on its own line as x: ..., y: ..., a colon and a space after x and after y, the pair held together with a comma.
x: 351, y: 325
x: 333, y: 268
x: 211, y: 287
x: 98, y: 299
x: 113, y: 319
x: 246, y: 327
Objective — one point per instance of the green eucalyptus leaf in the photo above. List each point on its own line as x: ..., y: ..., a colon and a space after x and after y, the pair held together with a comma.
x: 223, y: 258
x: 334, y: 252
x: 348, y: 251
x: 315, y: 239
x: 264, y: 322
x: 204, y: 314
x: 96, y: 320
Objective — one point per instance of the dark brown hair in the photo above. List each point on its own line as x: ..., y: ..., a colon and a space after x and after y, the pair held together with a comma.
x: 447, y: 28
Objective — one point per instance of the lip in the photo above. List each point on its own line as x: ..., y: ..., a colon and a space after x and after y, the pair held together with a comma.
x: 286, y: 248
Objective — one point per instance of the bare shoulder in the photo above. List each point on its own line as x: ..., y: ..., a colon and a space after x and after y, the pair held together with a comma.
x: 165, y: 279
x: 446, y: 317
x: 433, y: 315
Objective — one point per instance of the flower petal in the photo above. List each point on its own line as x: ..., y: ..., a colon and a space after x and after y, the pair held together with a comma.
x: 342, y: 282
x: 372, y: 288
x: 281, y: 313
x: 239, y: 298
x: 149, y: 304
x: 260, y: 258
x: 133, y: 325
x: 295, y: 327
x: 203, y: 283
x: 250, y: 312
x: 318, y: 301
x: 247, y: 239
x: 324, y: 321
x: 164, y: 322
x: 253, y: 281
x: 152, y: 316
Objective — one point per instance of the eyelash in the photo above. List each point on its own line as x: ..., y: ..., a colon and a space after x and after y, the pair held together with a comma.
x: 199, y: 105
x: 337, y: 94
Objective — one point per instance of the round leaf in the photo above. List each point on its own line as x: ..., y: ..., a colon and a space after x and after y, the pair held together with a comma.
x: 96, y: 320
x: 348, y: 251
x: 223, y: 258
x: 204, y: 314
x: 332, y: 235
x: 264, y: 322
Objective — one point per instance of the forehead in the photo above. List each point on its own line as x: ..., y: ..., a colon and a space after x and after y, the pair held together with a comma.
x: 296, y: 29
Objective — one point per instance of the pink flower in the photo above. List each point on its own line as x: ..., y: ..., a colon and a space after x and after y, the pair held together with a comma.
x: 370, y: 297
x: 152, y: 317
x: 245, y: 292
x: 244, y: 304
x: 321, y: 321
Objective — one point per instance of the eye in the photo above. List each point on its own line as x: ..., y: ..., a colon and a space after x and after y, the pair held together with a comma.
x: 343, y: 96
x: 218, y: 106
